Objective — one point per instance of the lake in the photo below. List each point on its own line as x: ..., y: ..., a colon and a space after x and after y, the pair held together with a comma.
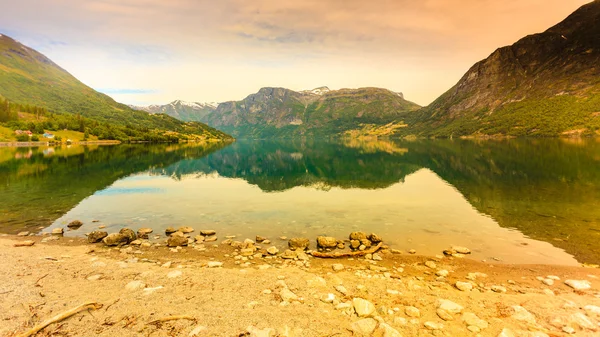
x: 509, y: 201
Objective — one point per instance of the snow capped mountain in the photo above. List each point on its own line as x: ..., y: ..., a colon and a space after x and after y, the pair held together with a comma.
x: 316, y: 91
x: 182, y: 110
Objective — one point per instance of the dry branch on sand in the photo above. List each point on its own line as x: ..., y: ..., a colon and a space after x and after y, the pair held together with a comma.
x: 335, y: 255
x: 60, y: 317
x: 172, y: 318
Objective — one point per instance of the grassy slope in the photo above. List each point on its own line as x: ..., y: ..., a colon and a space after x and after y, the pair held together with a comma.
x: 28, y: 77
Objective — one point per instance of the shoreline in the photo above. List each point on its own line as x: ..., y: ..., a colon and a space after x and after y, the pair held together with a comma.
x: 226, y: 295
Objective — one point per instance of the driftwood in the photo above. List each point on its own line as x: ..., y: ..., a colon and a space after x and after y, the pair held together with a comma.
x: 60, y: 317
x: 27, y: 243
x: 335, y: 255
x: 172, y: 318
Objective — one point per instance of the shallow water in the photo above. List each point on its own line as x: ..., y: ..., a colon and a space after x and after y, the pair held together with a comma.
x: 518, y: 201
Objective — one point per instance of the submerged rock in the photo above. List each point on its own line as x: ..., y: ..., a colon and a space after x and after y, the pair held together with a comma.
x: 96, y: 236
x: 207, y: 232
x: 299, y: 243
x: 357, y: 236
x: 170, y: 230
x: 374, y: 238
x: 260, y: 239
x: 75, y: 224
x: 142, y: 233
x: 186, y: 229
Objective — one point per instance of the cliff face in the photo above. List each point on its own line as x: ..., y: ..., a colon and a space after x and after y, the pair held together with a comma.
x: 280, y: 112
x: 545, y: 83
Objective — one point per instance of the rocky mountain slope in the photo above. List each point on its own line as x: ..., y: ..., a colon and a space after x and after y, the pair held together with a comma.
x: 184, y: 111
x: 545, y: 84
x: 280, y: 112
x: 28, y: 77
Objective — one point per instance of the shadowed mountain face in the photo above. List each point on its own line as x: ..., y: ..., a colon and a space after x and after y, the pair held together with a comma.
x: 283, y: 113
x: 544, y: 84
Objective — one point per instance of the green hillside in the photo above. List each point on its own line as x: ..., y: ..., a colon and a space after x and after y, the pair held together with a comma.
x: 28, y: 77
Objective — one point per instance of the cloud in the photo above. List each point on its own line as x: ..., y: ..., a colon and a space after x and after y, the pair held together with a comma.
x: 219, y: 50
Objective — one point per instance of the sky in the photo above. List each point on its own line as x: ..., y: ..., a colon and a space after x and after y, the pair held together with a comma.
x: 155, y: 51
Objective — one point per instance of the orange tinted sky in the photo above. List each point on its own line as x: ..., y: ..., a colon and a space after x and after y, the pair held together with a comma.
x: 155, y: 51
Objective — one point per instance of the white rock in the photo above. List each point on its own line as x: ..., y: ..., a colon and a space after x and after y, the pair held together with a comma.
x: 94, y: 277
x: 167, y: 264
x: 272, y: 250
x: 450, y: 306
x: 442, y: 273
x: 549, y: 292
x: 568, y: 329
x: 287, y: 295
x: 393, y: 292
x: 344, y: 306
x: 400, y: 321
x: 174, y: 274
x: 506, y: 333
x: 148, y: 291
x: 583, y: 321
x: 552, y: 277
x: 461, y: 250
x: 463, y: 286
x: 255, y: 332
x: 521, y: 314
x: 431, y: 264
x: 548, y: 281
x: 134, y: 285
x: 197, y: 330
x: 328, y: 298
x: 578, y: 284
x: 363, y: 307
x: 214, y: 264
x: 473, y: 320
x: 434, y: 326
x: 412, y: 311
x: 337, y: 267
x: 341, y: 289
x: 498, y: 289
x: 377, y: 257
x: 443, y: 314
x: 387, y: 331
x: 592, y: 309
x: 98, y: 264
x: 364, y: 327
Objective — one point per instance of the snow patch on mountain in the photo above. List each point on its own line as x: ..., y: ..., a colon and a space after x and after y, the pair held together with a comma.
x: 317, y: 91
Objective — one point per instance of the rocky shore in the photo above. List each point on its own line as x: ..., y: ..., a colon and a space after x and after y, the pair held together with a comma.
x: 195, y: 284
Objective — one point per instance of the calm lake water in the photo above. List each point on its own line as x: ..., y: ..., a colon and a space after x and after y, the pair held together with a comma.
x: 519, y: 201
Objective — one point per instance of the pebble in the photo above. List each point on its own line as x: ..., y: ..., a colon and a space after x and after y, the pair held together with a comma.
x: 592, y: 309
x: 568, y: 329
x: 473, y: 320
x: 134, y: 285
x: 548, y: 281
x: 174, y: 274
x: 387, y: 331
x: 548, y: 292
x: 461, y: 250
x: 341, y: 289
x: 431, y: 264
x: 207, y: 232
x: 364, y: 327
x: 412, y: 251
x: 450, y: 306
x: 337, y: 267
x: 443, y: 314
x: 58, y: 231
x: 148, y: 291
x: 498, y: 289
x: 583, y: 321
x: 23, y: 234
x: 434, y: 326
x: 578, y: 284
x: 393, y: 292
x: 363, y: 307
x: 412, y: 312
x: 521, y: 314
x: 214, y: 264
x: 463, y: 286
x: 328, y: 298
x: 197, y: 330
x: 267, y: 291
x: 506, y: 333
x: 287, y: 295
x: 94, y: 277
x: 442, y: 273
x: 377, y: 257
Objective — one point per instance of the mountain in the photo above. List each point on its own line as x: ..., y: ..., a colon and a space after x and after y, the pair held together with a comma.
x: 546, y: 84
x: 280, y: 112
x: 184, y: 111
x: 28, y: 77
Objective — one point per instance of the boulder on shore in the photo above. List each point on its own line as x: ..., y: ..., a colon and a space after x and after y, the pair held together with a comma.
x: 358, y: 236
x: 170, y: 230
x: 115, y: 239
x: 128, y: 233
x: 96, y: 236
x: 142, y: 233
x: 326, y: 242
x: 177, y: 240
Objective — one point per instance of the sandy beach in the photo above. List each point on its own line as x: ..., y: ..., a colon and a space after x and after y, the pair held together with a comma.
x: 209, y: 292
